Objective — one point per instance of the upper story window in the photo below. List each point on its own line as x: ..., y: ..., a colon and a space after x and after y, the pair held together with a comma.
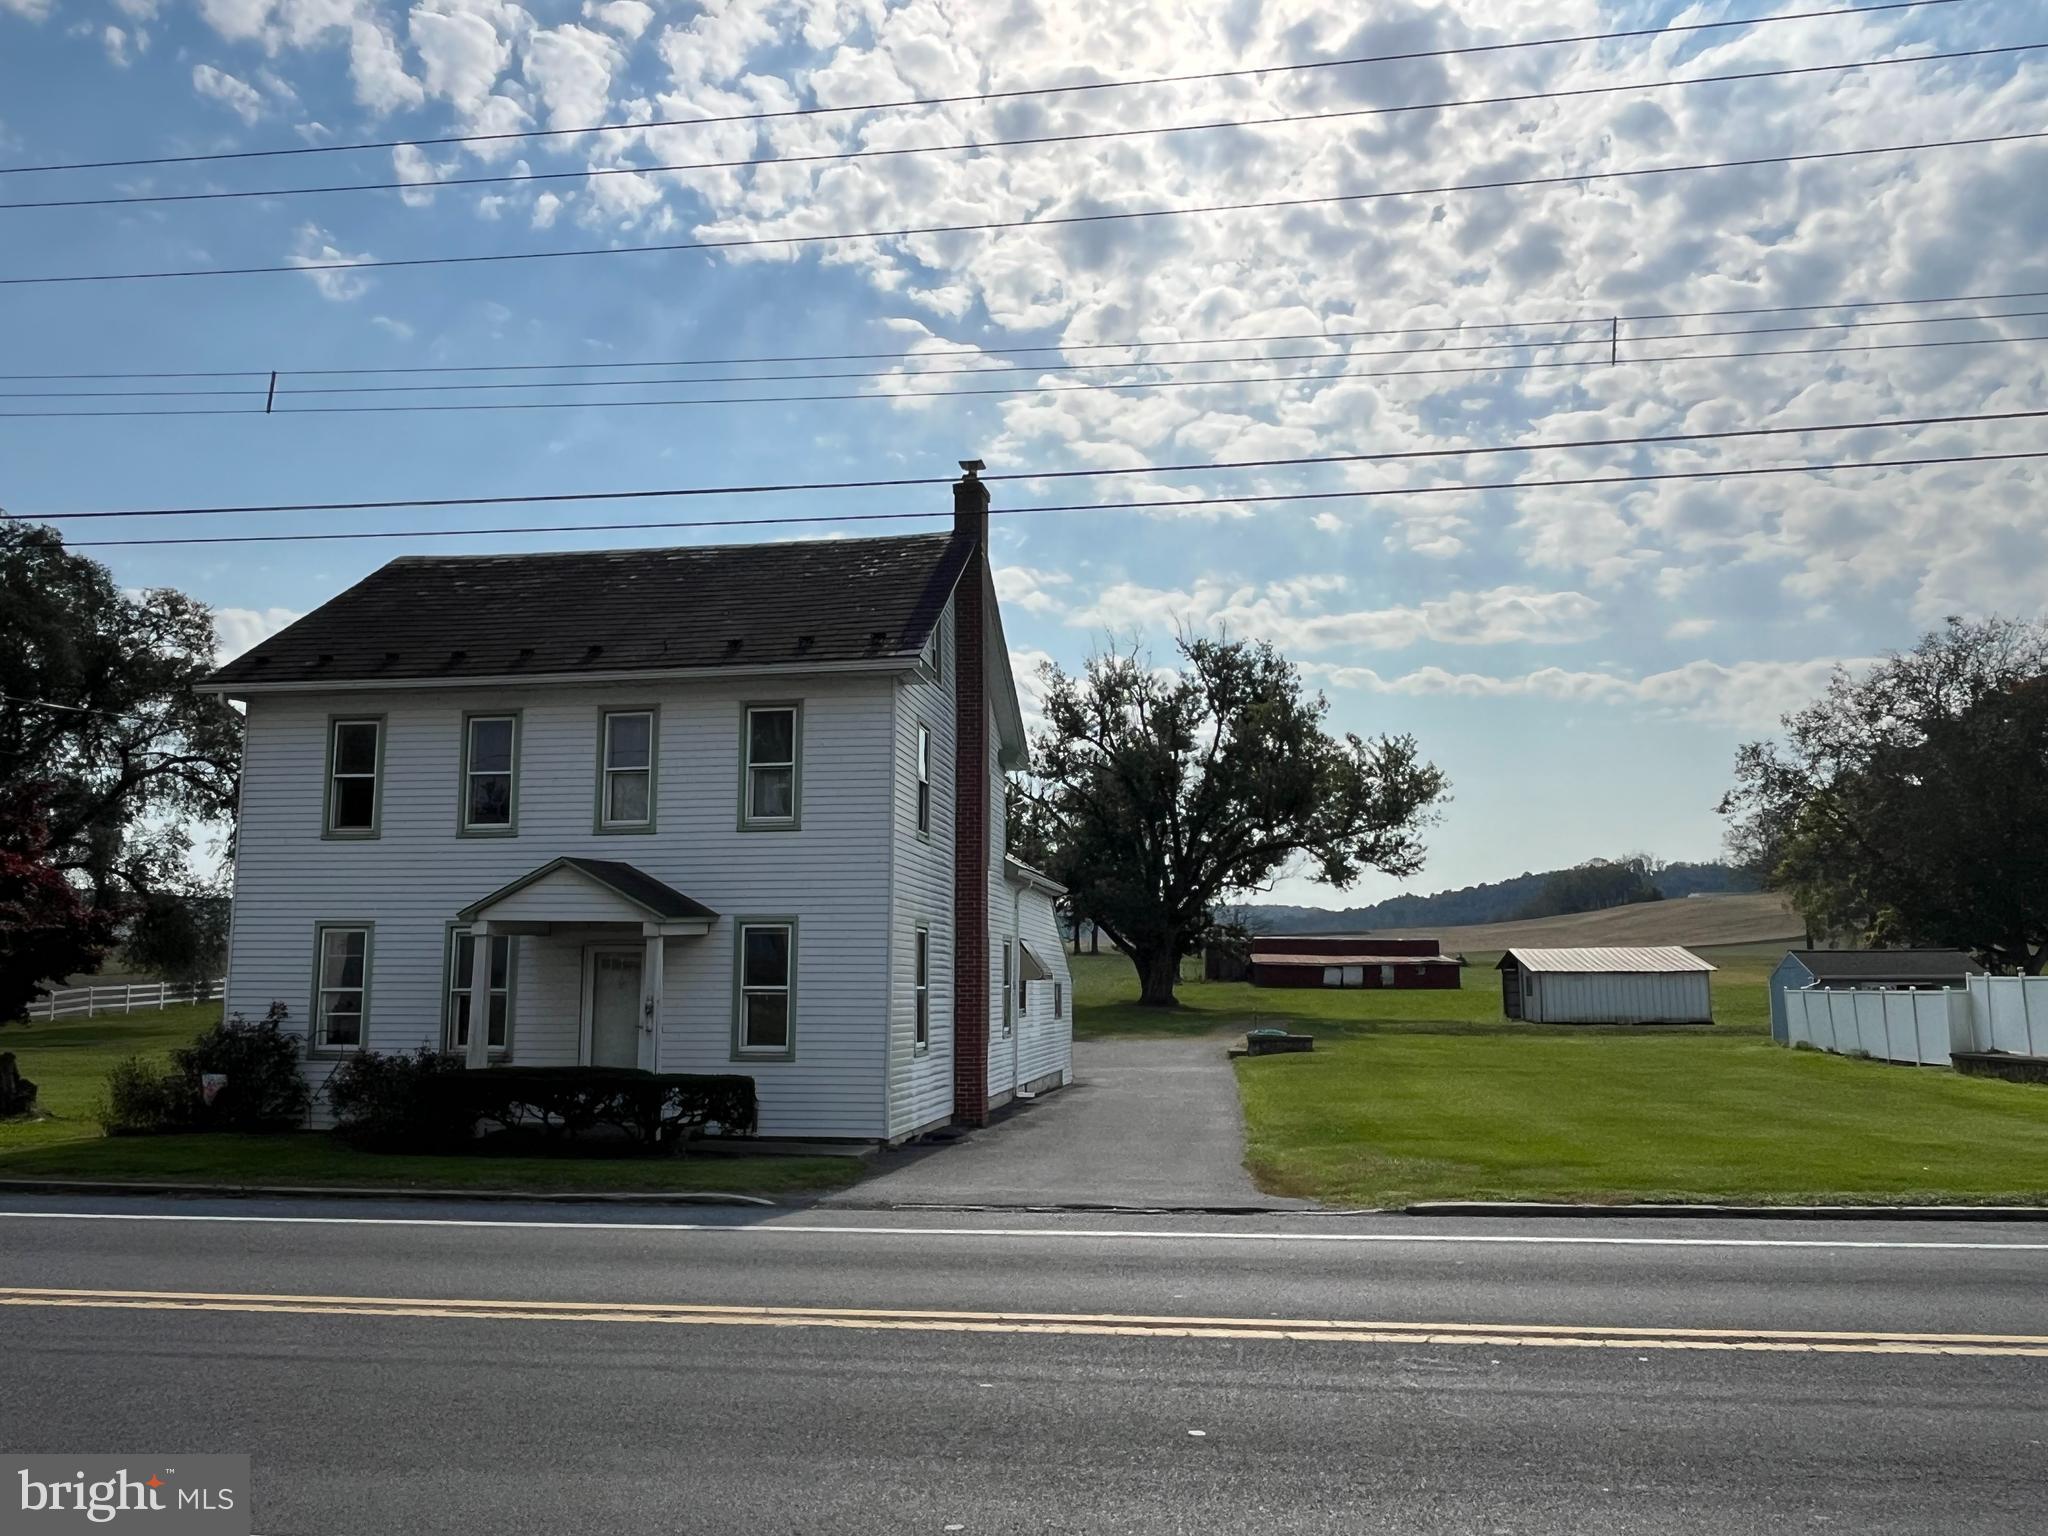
x: 625, y: 790
x: 924, y: 780
x: 769, y: 782
x: 490, y: 772
x: 355, y: 769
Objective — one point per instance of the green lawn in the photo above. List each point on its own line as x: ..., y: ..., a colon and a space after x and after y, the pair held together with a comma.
x: 1434, y: 1095
x: 69, y: 1061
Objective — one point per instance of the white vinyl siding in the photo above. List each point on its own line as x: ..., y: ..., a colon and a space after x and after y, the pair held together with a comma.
x: 1045, y: 1032
x: 832, y: 876
x: 920, y: 1087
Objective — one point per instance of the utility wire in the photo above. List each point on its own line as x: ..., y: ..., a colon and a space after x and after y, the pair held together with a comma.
x: 737, y: 242
x: 1636, y: 318
x: 1128, y: 506
x: 1382, y: 456
x: 1305, y: 376
x: 587, y: 173
x: 1466, y: 50
x: 1605, y: 342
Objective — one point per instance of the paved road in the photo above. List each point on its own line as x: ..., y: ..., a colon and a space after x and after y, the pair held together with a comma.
x: 1148, y: 1124
x: 1490, y: 1391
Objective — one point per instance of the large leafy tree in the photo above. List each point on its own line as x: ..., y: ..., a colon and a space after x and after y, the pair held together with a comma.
x: 1160, y: 793
x: 102, y: 735
x: 1910, y: 807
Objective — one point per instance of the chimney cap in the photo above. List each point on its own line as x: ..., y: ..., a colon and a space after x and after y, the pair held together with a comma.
x: 972, y: 466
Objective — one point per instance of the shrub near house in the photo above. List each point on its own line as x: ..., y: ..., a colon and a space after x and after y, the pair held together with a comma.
x: 236, y: 1076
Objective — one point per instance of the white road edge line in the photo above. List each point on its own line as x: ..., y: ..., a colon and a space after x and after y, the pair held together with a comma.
x: 798, y: 1229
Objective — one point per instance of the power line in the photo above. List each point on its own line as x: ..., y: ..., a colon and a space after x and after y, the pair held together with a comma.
x: 1627, y: 318
x: 1466, y: 50
x: 737, y: 242
x: 1383, y: 456
x: 587, y: 173
x: 1306, y: 376
x: 1128, y: 506
x: 1605, y: 342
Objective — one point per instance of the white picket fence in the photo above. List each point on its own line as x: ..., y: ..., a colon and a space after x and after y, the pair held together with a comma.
x: 91, y: 1002
x: 1994, y: 1013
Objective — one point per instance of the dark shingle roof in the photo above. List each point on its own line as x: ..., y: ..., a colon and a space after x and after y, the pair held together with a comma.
x: 1886, y: 964
x: 656, y: 897
x: 620, y: 610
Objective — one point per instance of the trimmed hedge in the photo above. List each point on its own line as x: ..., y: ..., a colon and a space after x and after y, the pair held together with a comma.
x: 431, y: 1101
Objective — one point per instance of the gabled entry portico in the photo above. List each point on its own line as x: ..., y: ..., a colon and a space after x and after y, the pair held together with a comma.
x: 612, y: 923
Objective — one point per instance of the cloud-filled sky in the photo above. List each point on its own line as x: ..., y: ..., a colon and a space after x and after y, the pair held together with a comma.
x: 1582, y: 660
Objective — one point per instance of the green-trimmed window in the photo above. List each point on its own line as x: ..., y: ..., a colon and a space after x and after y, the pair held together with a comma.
x: 771, y: 753
x: 490, y: 772
x: 461, y: 980
x: 924, y: 780
x: 921, y: 989
x: 767, y: 969
x: 342, y: 988
x: 355, y: 757
x: 626, y: 795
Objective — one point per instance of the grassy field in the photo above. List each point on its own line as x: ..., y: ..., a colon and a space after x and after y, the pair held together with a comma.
x: 69, y: 1061
x: 1433, y: 1095
x: 1700, y: 922
x: 1106, y: 993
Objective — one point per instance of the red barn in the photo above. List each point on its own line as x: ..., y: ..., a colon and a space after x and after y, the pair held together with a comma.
x: 1351, y: 960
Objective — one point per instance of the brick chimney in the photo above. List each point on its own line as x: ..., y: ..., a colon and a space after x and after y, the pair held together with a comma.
x: 971, y: 831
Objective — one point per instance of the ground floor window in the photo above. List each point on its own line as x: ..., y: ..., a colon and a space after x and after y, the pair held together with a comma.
x: 341, y: 987
x: 921, y: 985
x: 461, y: 977
x: 767, y: 967
x: 1058, y: 1001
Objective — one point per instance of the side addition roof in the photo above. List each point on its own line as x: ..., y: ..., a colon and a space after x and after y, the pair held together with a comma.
x: 593, y: 613
x: 1662, y: 959
x: 1886, y: 964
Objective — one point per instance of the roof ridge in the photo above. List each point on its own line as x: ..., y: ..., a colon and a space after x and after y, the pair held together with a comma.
x: 654, y: 549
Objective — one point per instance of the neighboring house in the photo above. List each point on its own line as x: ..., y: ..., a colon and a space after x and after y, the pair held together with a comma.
x: 1865, y: 970
x: 1351, y: 960
x: 733, y: 809
x: 1660, y: 985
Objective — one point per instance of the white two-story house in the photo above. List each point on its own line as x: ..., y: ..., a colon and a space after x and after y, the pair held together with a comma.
x: 734, y: 809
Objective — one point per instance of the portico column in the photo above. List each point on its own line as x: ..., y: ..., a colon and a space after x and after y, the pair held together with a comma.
x: 479, y: 1049
x: 650, y: 1007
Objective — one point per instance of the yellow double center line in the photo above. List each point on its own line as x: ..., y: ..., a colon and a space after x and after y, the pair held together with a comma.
x: 1085, y: 1324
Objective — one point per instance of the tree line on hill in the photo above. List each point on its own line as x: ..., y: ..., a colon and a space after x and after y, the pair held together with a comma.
x: 1589, y: 887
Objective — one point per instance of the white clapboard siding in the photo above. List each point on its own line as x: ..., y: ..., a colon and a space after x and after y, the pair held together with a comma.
x: 920, y: 1093
x: 1045, y: 1042
x: 831, y: 875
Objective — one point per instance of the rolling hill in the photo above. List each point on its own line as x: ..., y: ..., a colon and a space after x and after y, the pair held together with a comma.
x: 1695, y: 922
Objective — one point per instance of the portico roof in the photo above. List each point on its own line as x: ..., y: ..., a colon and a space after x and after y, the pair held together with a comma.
x: 655, y: 898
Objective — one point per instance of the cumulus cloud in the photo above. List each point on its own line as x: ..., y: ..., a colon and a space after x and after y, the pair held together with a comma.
x: 238, y: 96
x: 377, y: 66
x: 235, y: 630
x: 1298, y: 615
x: 314, y: 247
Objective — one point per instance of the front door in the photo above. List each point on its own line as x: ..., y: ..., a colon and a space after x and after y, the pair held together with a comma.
x: 613, y: 1005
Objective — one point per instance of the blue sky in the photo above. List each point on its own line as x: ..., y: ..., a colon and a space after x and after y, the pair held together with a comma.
x: 1581, y: 661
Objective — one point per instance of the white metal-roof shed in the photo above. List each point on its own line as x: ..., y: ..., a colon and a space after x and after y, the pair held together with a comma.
x: 1658, y: 985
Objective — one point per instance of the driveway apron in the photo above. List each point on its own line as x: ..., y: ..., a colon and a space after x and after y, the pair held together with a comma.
x: 1145, y: 1124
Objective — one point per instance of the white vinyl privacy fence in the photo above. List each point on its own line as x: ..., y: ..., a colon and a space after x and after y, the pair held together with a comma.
x: 120, y: 997
x: 1995, y: 1013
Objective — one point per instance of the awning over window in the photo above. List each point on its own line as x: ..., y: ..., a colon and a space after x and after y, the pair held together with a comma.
x: 1035, y: 969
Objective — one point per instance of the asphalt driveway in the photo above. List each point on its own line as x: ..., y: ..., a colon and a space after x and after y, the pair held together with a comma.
x: 1145, y: 1124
